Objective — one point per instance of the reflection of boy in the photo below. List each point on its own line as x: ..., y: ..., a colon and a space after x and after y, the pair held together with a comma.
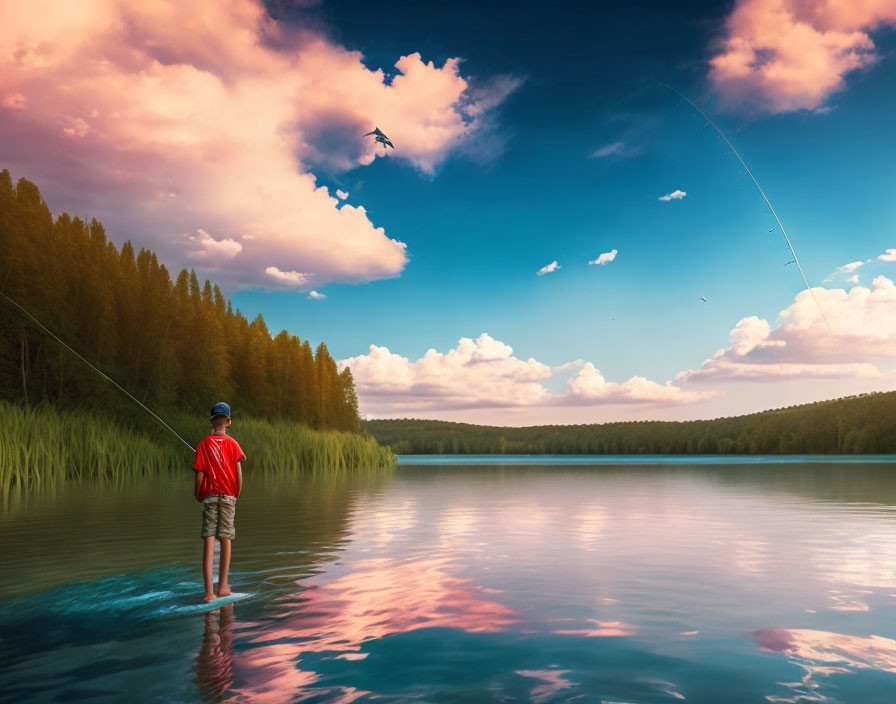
x: 214, y: 664
x: 219, y: 477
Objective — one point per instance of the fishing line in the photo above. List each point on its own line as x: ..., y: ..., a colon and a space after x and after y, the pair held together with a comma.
x: 98, y: 371
x: 749, y: 173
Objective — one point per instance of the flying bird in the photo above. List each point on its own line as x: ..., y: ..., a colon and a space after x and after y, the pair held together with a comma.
x: 381, y: 138
x: 703, y: 299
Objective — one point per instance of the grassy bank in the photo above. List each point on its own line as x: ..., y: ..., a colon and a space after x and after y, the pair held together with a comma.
x: 44, y: 446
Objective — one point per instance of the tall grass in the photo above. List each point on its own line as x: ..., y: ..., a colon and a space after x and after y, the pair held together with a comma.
x: 44, y: 446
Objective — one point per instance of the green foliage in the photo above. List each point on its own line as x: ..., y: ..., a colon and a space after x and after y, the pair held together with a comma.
x: 864, y: 424
x: 172, y: 344
x: 43, y: 446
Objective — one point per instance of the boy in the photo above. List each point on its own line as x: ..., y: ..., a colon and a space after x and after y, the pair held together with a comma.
x: 219, y: 477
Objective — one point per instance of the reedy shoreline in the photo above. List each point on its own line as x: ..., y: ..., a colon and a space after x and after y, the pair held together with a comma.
x: 43, y: 446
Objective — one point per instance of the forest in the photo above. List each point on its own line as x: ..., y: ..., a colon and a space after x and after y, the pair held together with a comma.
x: 173, y: 343
x: 864, y: 424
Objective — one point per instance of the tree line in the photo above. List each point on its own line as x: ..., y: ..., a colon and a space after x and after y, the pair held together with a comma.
x: 172, y: 343
x: 864, y: 424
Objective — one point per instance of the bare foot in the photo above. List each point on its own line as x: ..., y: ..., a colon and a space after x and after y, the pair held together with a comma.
x: 208, y: 598
x: 224, y: 590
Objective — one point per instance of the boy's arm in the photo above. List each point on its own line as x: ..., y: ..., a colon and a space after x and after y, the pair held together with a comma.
x: 198, y: 474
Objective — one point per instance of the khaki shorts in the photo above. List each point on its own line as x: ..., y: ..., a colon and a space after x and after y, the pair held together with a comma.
x: 217, y: 516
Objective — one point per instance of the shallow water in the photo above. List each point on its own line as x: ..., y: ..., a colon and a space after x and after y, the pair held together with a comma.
x: 500, y: 582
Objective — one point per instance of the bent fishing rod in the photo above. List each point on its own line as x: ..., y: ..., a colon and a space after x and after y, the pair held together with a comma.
x: 98, y: 371
x: 768, y: 203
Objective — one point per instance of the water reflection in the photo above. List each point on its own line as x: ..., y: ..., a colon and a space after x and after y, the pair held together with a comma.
x: 214, y: 664
x: 378, y: 598
x: 823, y: 653
x: 552, y: 683
x: 498, y: 584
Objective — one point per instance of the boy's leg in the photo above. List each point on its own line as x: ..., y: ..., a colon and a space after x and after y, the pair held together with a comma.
x: 208, y: 556
x: 224, y: 567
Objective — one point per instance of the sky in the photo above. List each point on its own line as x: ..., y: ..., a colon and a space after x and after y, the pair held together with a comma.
x: 537, y: 247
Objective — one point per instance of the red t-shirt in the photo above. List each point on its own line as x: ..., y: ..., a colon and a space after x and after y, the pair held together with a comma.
x: 216, y: 458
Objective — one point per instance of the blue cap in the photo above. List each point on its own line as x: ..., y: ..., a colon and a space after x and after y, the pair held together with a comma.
x: 220, y: 409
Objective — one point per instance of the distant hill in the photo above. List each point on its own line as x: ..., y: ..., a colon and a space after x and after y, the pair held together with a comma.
x: 864, y: 424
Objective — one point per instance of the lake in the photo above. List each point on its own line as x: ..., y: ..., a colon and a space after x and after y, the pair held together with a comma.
x: 605, y: 580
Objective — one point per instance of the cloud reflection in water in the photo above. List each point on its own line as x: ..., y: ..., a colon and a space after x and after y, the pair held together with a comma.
x: 380, y: 597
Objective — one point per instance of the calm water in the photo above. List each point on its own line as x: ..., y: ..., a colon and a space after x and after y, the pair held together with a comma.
x: 491, y: 582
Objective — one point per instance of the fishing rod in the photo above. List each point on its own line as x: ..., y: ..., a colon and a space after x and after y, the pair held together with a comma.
x: 98, y: 371
x: 771, y: 208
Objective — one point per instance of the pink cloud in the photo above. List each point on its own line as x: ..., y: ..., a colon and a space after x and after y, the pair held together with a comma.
x: 163, y: 118
x: 861, y: 341
x: 786, y: 55
x: 13, y: 101
x: 484, y: 373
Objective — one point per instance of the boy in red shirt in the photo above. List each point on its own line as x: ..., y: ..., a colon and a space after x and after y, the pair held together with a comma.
x: 219, y: 477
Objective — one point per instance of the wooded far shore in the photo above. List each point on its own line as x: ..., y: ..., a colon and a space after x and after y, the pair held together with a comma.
x: 864, y: 424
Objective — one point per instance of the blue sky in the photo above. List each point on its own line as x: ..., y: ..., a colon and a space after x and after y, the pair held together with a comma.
x: 483, y: 214
x: 477, y: 233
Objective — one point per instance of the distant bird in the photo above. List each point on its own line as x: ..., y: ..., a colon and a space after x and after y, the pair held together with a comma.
x: 381, y: 138
x: 587, y: 290
x: 702, y: 299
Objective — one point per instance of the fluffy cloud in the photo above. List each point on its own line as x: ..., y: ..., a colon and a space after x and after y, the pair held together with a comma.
x: 674, y: 195
x: 161, y: 118
x: 316, y: 296
x: 210, y: 248
x: 484, y: 373
x: 888, y: 256
x: 340, y: 194
x: 861, y: 342
x: 589, y: 387
x: 547, y: 269
x: 286, y: 279
x: 785, y: 55
x: 605, y: 257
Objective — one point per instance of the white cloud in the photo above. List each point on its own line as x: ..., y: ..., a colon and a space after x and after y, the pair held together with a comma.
x: 231, y: 111
x: 316, y: 296
x: 854, y: 279
x: 340, y: 194
x: 287, y: 279
x: 845, y: 269
x: 674, y: 195
x: 888, y: 256
x: 210, y: 248
x: 547, y: 269
x: 861, y: 342
x: 605, y: 257
x: 589, y: 386
x: 484, y: 373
